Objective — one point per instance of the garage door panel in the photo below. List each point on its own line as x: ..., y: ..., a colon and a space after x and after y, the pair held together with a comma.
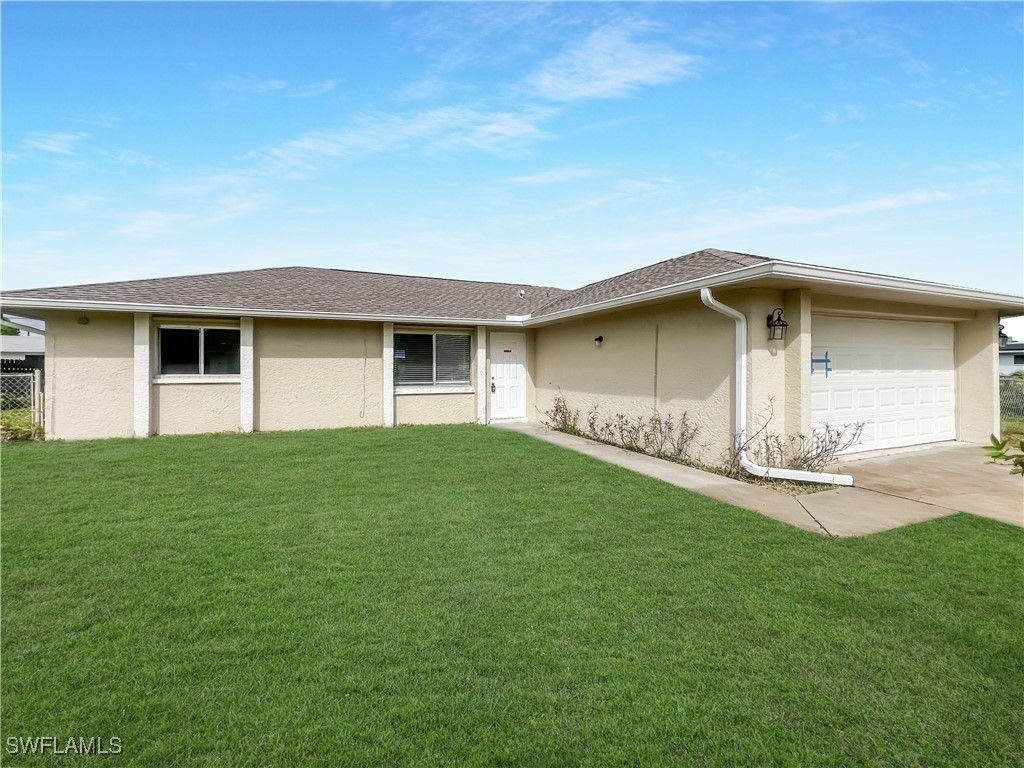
x: 896, y: 377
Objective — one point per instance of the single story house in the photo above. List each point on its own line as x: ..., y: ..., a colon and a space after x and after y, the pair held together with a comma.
x: 23, y: 352
x: 1011, y: 358
x: 301, y: 348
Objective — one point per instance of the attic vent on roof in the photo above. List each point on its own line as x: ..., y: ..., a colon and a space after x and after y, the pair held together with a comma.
x: 522, y: 294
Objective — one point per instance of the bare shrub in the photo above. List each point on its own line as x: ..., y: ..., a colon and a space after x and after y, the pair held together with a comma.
x: 561, y: 417
x: 809, y: 453
x: 655, y: 435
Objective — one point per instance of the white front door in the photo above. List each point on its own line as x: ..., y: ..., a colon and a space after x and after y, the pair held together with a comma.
x: 896, y: 377
x: 508, y: 376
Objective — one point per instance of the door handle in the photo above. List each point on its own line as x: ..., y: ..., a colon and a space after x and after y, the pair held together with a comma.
x: 493, y: 388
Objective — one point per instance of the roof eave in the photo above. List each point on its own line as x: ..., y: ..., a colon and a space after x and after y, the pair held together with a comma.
x: 22, y: 302
x: 1008, y: 304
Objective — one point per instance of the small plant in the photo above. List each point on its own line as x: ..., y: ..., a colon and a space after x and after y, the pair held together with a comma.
x: 561, y: 417
x: 1001, y: 452
x: 654, y: 435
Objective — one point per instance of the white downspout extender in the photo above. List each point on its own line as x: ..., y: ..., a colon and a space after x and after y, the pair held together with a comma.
x: 740, y: 404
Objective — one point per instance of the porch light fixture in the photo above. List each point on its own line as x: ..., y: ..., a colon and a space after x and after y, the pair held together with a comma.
x: 84, y: 319
x: 776, y: 325
x: 598, y: 341
x: 1004, y: 339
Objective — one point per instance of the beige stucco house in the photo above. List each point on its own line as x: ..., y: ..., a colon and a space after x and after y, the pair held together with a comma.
x: 299, y: 348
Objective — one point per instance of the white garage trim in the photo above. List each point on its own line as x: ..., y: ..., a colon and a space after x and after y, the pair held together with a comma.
x: 896, y: 377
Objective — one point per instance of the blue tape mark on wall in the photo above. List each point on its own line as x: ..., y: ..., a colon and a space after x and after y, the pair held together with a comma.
x: 824, y: 360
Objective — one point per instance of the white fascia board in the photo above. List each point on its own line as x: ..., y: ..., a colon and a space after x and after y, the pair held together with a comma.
x: 177, y: 309
x: 835, y: 276
x: 783, y: 269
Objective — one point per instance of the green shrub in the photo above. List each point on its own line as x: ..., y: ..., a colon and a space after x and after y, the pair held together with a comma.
x: 17, y: 424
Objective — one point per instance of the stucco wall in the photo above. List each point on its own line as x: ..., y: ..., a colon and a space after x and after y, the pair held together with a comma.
x: 89, y: 375
x: 797, y: 312
x: 435, y: 409
x: 766, y: 361
x: 976, y: 353
x: 188, y: 409
x: 669, y: 358
x: 317, y: 374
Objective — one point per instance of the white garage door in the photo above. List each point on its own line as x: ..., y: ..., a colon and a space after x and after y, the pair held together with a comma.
x: 894, y: 376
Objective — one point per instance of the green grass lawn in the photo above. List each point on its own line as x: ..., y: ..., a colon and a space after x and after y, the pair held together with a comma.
x: 465, y: 596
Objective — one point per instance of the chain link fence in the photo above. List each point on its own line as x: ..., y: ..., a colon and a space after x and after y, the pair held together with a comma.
x: 21, y: 404
x: 1011, y: 404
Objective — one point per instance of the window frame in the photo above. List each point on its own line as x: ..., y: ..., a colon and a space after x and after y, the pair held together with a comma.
x: 201, y: 377
x: 433, y: 388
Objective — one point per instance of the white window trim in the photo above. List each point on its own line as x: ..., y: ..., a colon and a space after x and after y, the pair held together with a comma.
x: 429, y: 389
x: 198, y: 378
x: 434, y: 389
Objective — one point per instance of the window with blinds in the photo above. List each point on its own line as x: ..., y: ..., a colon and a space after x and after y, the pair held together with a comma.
x: 432, y: 359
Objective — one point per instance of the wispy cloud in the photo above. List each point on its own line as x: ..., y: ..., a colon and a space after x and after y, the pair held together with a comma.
x: 250, y: 84
x: 555, y: 176
x: 441, y: 128
x: 844, y: 114
x: 258, y: 85
x: 611, y: 62
x: 100, y: 121
x: 312, y: 89
x: 456, y: 35
x: 55, y: 143
x: 155, y: 222
x: 131, y: 157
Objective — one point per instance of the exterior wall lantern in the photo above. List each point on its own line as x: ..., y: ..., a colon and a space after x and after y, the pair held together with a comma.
x: 599, y: 341
x: 776, y: 325
x: 1003, y: 338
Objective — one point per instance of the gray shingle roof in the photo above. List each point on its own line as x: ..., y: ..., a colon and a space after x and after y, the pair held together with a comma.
x: 693, y: 266
x: 338, y: 291
x: 307, y: 289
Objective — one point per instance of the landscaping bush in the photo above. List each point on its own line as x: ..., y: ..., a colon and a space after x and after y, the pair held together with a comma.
x: 17, y: 424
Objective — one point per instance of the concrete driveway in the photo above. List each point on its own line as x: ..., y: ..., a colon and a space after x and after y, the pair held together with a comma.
x: 949, y: 476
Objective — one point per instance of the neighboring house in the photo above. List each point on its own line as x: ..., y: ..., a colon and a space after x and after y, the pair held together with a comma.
x: 22, y: 353
x: 300, y: 348
x: 1011, y: 358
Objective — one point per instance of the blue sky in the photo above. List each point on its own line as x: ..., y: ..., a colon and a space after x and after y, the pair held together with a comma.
x: 551, y: 144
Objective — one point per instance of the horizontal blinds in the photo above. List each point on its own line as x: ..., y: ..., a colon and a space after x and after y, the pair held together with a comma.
x: 452, y: 359
x: 414, y: 358
x: 426, y: 359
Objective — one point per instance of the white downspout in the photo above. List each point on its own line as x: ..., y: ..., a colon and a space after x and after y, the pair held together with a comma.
x: 740, y: 403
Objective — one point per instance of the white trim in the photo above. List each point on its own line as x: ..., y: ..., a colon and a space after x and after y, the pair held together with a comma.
x: 389, y: 374
x: 782, y: 269
x: 1014, y: 305
x: 481, y: 374
x: 246, y: 371
x: 143, y: 367
x: 198, y: 378
x: 1008, y: 304
x: 428, y: 390
x: 183, y: 309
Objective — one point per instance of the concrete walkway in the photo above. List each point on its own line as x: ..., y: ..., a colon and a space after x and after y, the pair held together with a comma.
x: 839, y: 512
